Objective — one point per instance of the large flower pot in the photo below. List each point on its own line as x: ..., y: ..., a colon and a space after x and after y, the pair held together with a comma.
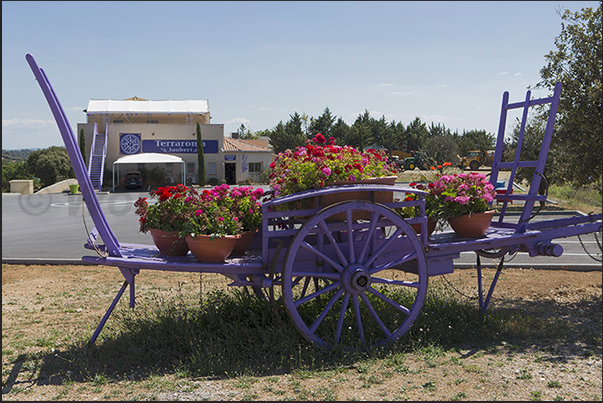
x: 431, y: 224
x: 243, y: 243
x: 380, y: 197
x: 216, y: 250
x: 472, y: 225
x: 169, y: 243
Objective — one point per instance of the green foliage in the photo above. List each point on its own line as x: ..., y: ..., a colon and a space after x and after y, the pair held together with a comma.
x: 287, y: 136
x: 200, y: 157
x: 51, y: 165
x: 16, y: 155
x: 13, y: 170
x: 441, y: 148
x: 475, y: 140
x: 577, y: 62
x: 83, y: 144
x: 245, y: 133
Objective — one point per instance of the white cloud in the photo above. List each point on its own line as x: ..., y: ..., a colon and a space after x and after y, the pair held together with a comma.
x: 516, y: 74
x: 385, y: 85
x: 503, y: 73
x: 18, y: 123
x: 401, y: 93
x: 238, y: 121
x: 434, y: 118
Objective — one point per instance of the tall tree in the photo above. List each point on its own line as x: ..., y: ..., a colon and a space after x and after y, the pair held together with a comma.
x: 578, y: 64
x: 416, y: 133
x: 287, y: 135
x: 323, y: 124
x: 200, y: 157
x: 51, y: 165
x: 475, y: 140
x: 83, y: 144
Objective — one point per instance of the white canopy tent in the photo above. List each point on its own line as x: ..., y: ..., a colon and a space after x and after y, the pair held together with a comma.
x: 148, y: 158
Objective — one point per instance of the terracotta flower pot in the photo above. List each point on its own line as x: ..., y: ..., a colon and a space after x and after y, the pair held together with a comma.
x: 169, y: 243
x: 243, y: 243
x: 206, y: 249
x: 472, y: 225
x: 430, y: 227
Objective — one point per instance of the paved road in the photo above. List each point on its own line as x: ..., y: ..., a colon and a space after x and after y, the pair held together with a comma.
x: 50, y: 228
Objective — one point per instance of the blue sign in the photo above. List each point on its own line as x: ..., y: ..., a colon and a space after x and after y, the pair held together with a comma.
x: 230, y: 158
x: 129, y: 143
x: 178, y: 146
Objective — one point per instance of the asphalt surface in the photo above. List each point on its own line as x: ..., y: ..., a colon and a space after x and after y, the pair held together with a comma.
x: 52, y: 229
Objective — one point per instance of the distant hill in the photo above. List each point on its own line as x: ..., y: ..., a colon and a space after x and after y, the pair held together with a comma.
x: 17, y: 155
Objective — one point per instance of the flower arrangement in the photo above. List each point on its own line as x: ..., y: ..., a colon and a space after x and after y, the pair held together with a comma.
x: 432, y: 203
x: 462, y: 194
x: 319, y: 162
x: 168, y: 213
x: 244, y: 202
x: 218, y: 211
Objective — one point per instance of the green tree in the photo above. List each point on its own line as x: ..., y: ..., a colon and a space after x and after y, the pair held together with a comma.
x: 578, y: 63
x: 200, y: 156
x: 246, y: 134
x: 475, y: 140
x: 50, y: 165
x: 13, y: 170
x: 83, y: 144
x: 416, y: 133
x: 287, y: 136
x: 323, y: 124
x: 441, y: 148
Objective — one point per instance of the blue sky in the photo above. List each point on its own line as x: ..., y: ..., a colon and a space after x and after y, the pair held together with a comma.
x: 257, y: 63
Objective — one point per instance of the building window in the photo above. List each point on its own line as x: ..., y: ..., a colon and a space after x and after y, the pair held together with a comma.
x: 153, y: 121
x: 255, y: 167
x: 169, y: 169
x: 118, y: 121
x: 190, y: 168
x: 211, y: 168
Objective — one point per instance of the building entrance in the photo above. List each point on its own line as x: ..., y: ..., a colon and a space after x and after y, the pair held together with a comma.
x: 230, y: 175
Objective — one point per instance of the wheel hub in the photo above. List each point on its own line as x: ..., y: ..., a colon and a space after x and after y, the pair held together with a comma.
x: 356, y: 279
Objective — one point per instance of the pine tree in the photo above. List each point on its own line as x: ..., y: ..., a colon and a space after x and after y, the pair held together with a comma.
x: 200, y: 157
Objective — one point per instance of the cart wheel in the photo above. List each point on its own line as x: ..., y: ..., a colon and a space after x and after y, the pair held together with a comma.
x: 354, y: 281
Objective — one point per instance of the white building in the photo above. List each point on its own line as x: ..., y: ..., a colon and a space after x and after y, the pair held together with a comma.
x: 135, y: 126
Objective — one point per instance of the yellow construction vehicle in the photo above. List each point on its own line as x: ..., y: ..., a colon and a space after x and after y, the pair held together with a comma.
x: 476, y: 158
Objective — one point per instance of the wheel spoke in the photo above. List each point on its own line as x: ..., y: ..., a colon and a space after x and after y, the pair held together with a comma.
x: 344, y: 307
x: 394, y: 263
x: 321, y: 255
x: 326, y: 310
x: 317, y: 293
x: 308, y: 274
x: 349, y: 222
x: 385, y: 244
x: 396, y: 305
x: 374, y: 315
x: 327, y: 232
x: 371, y: 230
x: 358, y: 318
x: 403, y: 283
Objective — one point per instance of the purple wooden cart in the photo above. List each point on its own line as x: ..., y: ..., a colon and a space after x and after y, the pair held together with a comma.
x: 360, y: 279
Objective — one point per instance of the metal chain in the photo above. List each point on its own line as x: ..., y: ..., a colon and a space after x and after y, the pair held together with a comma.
x: 98, y: 251
x: 455, y: 289
x: 596, y: 240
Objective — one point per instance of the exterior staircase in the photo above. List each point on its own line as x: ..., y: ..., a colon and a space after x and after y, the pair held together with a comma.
x: 96, y: 164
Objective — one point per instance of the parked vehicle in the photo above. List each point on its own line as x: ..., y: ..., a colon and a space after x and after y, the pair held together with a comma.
x: 476, y: 158
x: 133, y: 180
x: 418, y: 160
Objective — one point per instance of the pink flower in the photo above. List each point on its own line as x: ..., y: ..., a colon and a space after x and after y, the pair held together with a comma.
x: 326, y: 171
